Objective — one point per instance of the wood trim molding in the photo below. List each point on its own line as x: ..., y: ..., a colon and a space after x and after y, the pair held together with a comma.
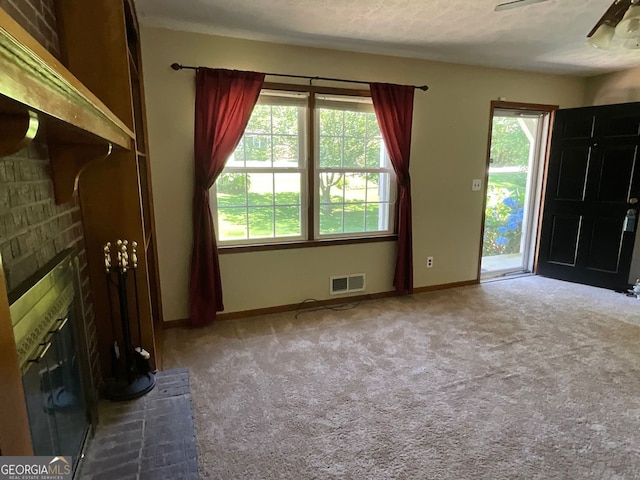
x: 35, y: 79
x: 543, y: 192
x: 305, y: 244
x: 292, y: 307
x: 15, y: 436
x: 445, y: 286
x: 536, y: 107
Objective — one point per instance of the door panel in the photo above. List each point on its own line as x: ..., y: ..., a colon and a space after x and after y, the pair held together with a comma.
x: 604, y: 249
x: 572, y: 174
x: 565, y: 237
x: 576, y: 128
x: 593, y: 174
x: 616, y: 174
x: 622, y: 126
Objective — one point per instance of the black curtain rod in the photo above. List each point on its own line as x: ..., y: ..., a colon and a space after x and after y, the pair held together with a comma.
x: 177, y: 66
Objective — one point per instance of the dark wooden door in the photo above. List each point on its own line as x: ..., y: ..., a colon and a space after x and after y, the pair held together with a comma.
x: 593, y: 180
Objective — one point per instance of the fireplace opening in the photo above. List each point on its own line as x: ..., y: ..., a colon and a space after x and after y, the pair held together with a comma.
x: 47, y: 316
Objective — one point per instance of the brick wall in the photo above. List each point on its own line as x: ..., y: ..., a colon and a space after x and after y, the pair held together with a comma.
x: 38, y: 18
x: 33, y: 229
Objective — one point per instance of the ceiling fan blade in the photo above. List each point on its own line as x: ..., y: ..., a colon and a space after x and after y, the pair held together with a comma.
x: 613, y: 14
x: 515, y: 4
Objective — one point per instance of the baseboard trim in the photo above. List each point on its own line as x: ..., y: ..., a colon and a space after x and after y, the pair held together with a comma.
x: 292, y: 307
x: 445, y: 286
x: 176, y: 323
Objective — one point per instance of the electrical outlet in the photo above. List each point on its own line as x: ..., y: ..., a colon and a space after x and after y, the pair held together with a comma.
x: 429, y: 262
x: 476, y: 185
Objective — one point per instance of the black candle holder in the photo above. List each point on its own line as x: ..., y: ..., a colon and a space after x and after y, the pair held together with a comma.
x: 136, y: 378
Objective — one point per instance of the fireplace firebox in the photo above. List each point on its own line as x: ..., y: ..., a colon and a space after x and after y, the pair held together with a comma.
x: 47, y: 315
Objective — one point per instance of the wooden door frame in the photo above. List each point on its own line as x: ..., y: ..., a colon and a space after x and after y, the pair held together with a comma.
x: 535, y: 107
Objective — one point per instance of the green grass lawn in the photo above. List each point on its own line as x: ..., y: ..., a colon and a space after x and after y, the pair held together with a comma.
x: 334, y: 218
x: 511, y: 180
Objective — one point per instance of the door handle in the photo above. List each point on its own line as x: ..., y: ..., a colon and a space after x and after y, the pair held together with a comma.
x: 43, y: 352
x: 61, y: 323
x: 630, y: 221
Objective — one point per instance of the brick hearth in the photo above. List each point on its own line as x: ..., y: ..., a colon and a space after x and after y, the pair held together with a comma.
x: 150, y: 438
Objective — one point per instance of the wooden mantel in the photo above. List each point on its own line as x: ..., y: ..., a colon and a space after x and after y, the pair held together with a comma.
x: 37, y: 91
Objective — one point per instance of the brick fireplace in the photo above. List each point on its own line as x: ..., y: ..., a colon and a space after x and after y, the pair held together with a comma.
x: 33, y: 229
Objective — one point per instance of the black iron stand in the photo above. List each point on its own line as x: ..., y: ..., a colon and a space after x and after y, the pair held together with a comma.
x: 136, y: 379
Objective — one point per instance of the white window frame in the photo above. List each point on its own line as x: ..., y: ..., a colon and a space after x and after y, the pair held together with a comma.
x: 269, y: 97
x: 357, y: 104
x: 309, y: 182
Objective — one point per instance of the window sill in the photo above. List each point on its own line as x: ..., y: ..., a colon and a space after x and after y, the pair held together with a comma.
x: 304, y: 244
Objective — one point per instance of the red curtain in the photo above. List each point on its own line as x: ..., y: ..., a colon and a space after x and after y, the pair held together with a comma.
x: 393, y: 105
x: 224, y: 102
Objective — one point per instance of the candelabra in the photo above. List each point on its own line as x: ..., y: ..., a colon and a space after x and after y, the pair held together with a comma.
x: 136, y: 378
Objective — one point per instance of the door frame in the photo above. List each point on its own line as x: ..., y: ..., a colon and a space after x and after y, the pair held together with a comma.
x: 501, y: 104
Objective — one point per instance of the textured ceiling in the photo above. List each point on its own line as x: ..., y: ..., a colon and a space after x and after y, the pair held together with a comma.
x: 544, y: 37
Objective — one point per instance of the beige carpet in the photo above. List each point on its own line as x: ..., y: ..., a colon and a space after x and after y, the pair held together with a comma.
x: 528, y: 378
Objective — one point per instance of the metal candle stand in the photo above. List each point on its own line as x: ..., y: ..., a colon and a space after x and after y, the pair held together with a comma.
x: 137, y: 378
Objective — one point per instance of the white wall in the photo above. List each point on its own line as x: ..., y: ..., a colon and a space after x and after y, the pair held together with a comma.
x: 618, y: 87
x: 450, y: 134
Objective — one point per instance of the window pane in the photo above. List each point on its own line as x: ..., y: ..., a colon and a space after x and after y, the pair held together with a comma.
x: 378, y: 187
x: 260, y: 222
x: 354, y: 218
x: 232, y: 223
x: 231, y: 189
x: 261, y: 192
x: 288, y: 221
x: 287, y: 188
x: 355, y: 187
x: 354, y: 152
x: 260, y: 121
x: 285, y: 120
x: 330, y: 122
x: 350, y: 140
x: 330, y: 151
x: 330, y: 186
x: 377, y: 217
x: 257, y: 150
x: 330, y: 219
x: 285, y: 151
x: 373, y: 130
x: 355, y: 124
x: 260, y: 187
x: 375, y: 153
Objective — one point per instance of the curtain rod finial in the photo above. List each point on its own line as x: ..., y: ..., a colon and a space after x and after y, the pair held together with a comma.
x: 176, y: 66
x: 424, y: 88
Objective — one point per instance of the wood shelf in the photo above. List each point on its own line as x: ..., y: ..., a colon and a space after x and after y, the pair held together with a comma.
x: 33, y: 80
x: 100, y: 45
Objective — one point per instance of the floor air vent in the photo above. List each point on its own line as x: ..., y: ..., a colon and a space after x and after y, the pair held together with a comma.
x: 346, y: 284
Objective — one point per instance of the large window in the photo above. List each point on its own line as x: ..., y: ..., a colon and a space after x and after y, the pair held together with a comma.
x: 269, y: 184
